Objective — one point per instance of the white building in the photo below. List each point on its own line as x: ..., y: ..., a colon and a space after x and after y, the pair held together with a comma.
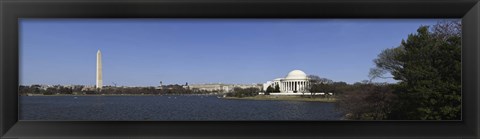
x: 221, y: 87
x: 295, y: 83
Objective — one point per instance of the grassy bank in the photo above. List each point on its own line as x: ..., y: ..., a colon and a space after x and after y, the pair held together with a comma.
x: 285, y: 98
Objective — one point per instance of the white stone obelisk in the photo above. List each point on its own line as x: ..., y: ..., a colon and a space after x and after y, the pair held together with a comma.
x: 99, y: 70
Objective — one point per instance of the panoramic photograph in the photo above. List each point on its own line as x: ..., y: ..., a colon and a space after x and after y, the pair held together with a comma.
x: 240, y: 69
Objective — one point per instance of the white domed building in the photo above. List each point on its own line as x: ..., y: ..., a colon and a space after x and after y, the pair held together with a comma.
x: 295, y: 83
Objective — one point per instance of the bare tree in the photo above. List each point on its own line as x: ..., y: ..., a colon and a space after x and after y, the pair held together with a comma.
x: 367, y: 102
x: 447, y: 28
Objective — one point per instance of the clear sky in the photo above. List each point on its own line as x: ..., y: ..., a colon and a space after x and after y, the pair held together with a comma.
x: 143, y: 52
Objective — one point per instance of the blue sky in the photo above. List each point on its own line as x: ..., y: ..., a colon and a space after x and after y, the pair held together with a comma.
x: 143, y: 52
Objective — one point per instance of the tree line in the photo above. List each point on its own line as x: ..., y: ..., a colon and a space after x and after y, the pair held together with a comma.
x: 79, y: 90
x: 36, y: 89
x: 243, y: 92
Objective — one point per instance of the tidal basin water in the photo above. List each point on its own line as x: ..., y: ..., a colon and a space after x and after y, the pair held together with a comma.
x: 166, y: 108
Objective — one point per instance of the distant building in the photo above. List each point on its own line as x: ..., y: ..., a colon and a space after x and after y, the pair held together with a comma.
x: 219, y: 87
x: 295, y: 83
x: 88, y: 88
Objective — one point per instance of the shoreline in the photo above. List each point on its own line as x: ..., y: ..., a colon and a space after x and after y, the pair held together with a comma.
x: 121, y: 95
x: 283, y: 98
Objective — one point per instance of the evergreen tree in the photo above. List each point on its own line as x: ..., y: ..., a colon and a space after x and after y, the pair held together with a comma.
x: 269, y: 90
x: 428, y: 66
x: 277, y: 88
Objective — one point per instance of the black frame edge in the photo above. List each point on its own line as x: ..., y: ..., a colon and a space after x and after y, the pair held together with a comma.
x: 9, y: 72
x: 9, y: 58
x: 470, y: 38
x: 1, y: 72
x: 477, y: 35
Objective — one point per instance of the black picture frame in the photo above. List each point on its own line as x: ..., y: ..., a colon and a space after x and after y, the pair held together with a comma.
x: 12, y: 10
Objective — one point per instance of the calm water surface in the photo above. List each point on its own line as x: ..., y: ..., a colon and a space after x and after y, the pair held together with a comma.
x: 162, y: 108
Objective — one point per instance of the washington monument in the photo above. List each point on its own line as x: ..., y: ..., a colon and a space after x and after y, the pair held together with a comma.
x: 99, y: 70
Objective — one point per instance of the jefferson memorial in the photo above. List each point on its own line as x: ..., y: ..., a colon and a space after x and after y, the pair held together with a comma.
x: 295, y: 83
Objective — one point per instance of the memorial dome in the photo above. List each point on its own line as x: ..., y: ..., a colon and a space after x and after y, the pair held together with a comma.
x: 296, y: 74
